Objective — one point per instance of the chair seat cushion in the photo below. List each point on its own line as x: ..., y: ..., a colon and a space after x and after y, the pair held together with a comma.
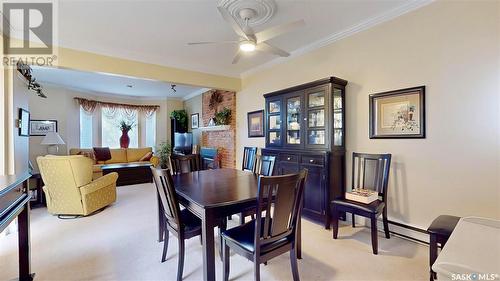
x: 443, y: 225
x: 191, y: 222
x: 374, y: 207
x: 244, y: 235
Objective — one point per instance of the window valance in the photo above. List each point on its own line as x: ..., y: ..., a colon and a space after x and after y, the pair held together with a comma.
x: 90, y: 105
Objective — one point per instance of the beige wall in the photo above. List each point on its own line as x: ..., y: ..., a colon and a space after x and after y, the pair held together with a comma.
x: 194, y: 105
x: 453, y: 48
x: 61, y: 106
x: 20, y: 99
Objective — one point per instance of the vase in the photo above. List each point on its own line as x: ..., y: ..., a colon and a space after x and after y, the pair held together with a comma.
x: 124, y: 140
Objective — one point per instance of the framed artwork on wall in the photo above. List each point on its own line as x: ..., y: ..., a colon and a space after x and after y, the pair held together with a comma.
x: 195, y: 119
x: 42, y: 127
x: 255, y: 121
x: 24, y: 122
x: 398, y: 114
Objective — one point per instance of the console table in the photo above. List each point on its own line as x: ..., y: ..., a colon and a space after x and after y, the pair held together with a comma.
x: 15, y: 202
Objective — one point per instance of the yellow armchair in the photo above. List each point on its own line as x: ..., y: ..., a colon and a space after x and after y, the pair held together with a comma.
x: 69, y: 188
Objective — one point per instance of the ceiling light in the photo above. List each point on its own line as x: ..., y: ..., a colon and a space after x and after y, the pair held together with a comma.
x: 247, y: 46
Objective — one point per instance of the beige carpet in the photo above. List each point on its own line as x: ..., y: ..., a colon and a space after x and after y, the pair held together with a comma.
x: 120, y: 244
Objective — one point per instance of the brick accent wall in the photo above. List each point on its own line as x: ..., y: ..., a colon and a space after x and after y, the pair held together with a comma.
x: 225, y: 141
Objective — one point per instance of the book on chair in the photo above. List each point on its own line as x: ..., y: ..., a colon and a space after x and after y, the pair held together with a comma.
x: 362, y: 195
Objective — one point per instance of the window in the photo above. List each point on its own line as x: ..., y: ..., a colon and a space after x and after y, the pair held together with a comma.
x: 111, y: 118
x: 151, y: 130
x: 85, y: 129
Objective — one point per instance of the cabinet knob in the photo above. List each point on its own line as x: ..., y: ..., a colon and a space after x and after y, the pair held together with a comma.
x: 288, y: 158
x: 311, y: 160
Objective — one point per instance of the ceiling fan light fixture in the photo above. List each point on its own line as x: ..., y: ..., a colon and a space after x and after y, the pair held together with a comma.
x: 247, y: 46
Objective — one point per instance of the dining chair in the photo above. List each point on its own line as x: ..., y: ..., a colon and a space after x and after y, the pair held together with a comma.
x: 369, y: 171
x: 264, y: 167
x: 181, y: 223
x: 273, y: 232
x: 249, y: 159
x: 181, y: 164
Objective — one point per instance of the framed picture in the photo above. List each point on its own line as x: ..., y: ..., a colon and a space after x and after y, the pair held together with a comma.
x: 255, y: 124
x: 24, y: 122
x: 195, y: 119
x: 398, y: 114
x: 42, y: 127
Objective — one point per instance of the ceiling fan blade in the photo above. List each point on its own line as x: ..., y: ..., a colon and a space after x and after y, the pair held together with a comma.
x: 210, y: 42
x: 237, y: 57
x: 276, y: 31
x: 232, y: 22
x: 265, y: 47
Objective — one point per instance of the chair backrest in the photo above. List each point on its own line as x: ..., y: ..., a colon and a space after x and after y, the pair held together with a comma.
x: 208, y: 158
x: 371, y: 171
x: 280, y: 198
x: 181, y: 164
x: 249, y: 158
x: 166, y: 191
x: 63, y: 175
x: 265, y: 165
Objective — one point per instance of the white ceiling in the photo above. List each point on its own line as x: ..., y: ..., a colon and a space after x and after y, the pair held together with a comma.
x: 100, y: 83
x: 157, y: 31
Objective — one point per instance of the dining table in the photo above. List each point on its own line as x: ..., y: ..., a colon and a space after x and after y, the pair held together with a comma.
x: 213, y: 195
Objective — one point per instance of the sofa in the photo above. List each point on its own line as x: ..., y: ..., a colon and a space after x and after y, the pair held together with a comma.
x: 118, y: 156
x: 69, y: 188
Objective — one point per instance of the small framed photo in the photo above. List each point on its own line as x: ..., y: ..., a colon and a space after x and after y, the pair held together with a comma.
x: 195, y: 119
x: 42, y: 127
x: 398, y: 114
x: 255, y: 124
x: 24, y: 122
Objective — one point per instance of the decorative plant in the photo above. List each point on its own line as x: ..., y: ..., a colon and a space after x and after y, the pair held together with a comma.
x: 215, y: 99
x: 125, y: 127
x: 223, y: 117
x: 163, y: 151
x: 25, y: 70
x: 181, y: 116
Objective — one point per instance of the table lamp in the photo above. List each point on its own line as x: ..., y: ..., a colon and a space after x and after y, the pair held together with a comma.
x: 52, y: 139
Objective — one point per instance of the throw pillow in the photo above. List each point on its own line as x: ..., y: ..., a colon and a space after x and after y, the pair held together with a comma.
x: 102, y: 153
x: 146, y: 156
x: 88, y: 154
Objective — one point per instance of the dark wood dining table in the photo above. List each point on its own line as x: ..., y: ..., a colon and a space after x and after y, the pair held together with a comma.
x: 213, y: 195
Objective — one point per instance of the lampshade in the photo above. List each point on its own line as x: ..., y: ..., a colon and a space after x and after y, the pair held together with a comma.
x: 52, y: 138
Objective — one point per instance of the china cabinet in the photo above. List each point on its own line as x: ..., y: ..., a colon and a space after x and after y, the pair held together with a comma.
x: 305, y: 128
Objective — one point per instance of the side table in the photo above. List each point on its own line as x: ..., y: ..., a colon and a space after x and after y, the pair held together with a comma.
x: 40, y: 197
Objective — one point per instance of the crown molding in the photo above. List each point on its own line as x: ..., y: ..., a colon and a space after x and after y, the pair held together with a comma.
x: 195, y: 93
x: 366, y: 24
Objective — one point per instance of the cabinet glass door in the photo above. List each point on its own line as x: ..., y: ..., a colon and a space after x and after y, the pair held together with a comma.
x: 316, y: 114
x: 293, y: 116
x: 338, y: 117
x: 274, y: 123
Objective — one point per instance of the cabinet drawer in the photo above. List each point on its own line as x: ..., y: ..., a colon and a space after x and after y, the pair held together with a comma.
x: 313, y: 160
x: 289, y: 158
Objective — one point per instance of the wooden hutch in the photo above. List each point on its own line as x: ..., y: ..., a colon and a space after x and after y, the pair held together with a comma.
x: 305, y: 128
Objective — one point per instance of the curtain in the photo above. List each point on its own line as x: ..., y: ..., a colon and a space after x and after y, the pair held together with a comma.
x: 88, y: 106
x: 129, y: 109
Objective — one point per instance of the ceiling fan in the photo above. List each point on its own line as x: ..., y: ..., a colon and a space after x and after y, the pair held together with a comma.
x: 250, y: 41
